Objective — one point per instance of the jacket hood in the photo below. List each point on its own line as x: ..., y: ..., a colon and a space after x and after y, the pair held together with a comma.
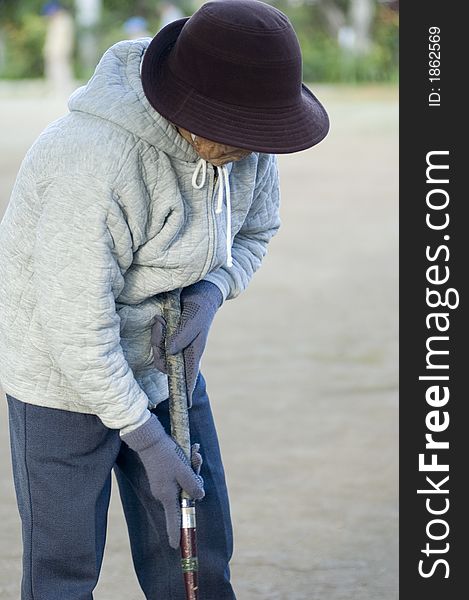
x: 115, y: 94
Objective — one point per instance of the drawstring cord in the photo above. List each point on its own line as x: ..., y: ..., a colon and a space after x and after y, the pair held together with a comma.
x: 202, y: 164
x: 223, y: 190
x: 222, y: 171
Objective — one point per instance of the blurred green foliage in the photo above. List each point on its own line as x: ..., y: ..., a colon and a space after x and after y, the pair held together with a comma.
x: 22, y: 34
x: 323, y: 57
x: 22, y: 41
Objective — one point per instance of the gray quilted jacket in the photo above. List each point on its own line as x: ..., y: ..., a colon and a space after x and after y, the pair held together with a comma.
x: 103, y: 218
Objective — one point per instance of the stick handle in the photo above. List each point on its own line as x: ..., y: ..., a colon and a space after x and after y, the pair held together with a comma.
x: 177, y: 377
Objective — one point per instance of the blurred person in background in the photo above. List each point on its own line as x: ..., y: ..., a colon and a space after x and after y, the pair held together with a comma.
x: 162, y: 176
x: 136, y: 27
x: 58, y: 48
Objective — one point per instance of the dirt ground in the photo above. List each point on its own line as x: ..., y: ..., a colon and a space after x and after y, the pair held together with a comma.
x: 301, y: 371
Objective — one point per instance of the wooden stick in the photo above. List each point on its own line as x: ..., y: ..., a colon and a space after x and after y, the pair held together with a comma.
x: 178, y: 410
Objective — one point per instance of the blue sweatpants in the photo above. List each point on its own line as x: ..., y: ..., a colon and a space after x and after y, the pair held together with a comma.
x: 62, y: 463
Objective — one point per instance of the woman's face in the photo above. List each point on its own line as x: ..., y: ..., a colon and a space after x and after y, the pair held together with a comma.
x: 215, y: 153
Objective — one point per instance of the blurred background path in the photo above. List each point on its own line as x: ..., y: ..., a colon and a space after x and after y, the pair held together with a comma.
x: 301, y: 371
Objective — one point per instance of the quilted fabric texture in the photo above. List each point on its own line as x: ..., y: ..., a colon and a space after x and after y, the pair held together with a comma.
x: 103, y: 218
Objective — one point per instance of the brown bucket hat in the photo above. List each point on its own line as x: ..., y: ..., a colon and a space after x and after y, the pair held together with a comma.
x: 232, y: 73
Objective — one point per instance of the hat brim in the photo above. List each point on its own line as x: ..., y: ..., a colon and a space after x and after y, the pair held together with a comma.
x: 277, y: 131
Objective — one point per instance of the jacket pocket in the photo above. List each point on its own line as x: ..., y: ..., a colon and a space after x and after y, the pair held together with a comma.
x: 135, y: 331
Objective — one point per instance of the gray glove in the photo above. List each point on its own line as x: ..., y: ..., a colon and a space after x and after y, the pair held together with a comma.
x: 199, y: 303
x: 167, y: 469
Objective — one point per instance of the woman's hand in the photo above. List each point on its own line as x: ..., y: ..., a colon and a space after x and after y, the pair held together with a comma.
x: 199, y: 303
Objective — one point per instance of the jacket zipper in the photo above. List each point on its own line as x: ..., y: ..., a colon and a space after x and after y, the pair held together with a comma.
x: 212, y: 218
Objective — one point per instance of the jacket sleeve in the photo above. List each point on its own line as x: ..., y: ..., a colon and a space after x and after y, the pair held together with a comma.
x: 250, y: 243
x: 75, y: 272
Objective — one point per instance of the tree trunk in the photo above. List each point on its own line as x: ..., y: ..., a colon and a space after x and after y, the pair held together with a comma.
x: 361, y: 17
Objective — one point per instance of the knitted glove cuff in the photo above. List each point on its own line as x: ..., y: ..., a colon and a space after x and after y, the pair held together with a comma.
x: 210, y: 292
x: 148, y: 434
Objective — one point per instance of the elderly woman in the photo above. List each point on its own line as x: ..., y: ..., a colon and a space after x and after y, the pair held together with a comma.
x: 163, y: 175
